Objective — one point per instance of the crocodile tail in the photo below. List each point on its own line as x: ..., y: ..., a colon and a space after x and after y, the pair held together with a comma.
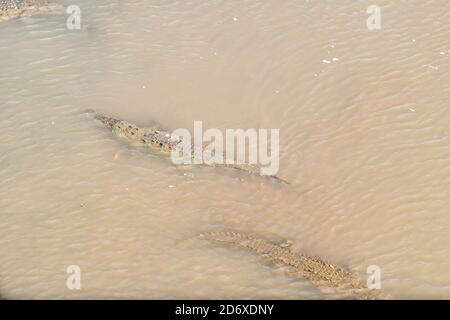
x: 226, y: 236
x: 278, y: 179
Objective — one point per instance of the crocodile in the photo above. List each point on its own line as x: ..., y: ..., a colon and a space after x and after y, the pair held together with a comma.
x: 10, y: 9
x: 163, y: 142
x: 325, y: 275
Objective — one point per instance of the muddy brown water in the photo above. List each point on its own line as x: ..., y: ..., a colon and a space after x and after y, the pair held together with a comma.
x: 364, y: 121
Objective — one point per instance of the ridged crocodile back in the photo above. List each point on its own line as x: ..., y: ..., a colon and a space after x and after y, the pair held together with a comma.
x: 299, y: 265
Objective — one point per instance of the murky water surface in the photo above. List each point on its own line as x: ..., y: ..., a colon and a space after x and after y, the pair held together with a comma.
x: 364, y: 121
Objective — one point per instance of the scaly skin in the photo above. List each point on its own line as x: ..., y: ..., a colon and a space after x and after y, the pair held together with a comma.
x: 10, y: 9
x: 151, y: 137
x: 323, y: 274
x: 163, y: 142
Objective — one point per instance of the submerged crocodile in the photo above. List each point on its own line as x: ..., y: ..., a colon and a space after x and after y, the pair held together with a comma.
x: 299, y: 265
x: 10, y: 9
x: 163, y: 142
